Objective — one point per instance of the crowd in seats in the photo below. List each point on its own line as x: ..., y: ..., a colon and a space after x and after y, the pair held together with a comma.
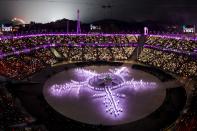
x: 188, y: 120
x: 93, y: 53
x: 119, y: 53
x: 128, y: 50
x: 132, y: 39
x: 70, y: 47
x: 29, y: 128
x: 45, y: 55
x: 124, y: 39
x: 90, y: 53
x: 18, y: 43
x: 183, y: 45
x: 104, y: 54
x: 64, y: 51
x: 75, y: 54
x: 11, y: 112
x: 20, y: 66
x: 24, y: 65
x: 172, y: 62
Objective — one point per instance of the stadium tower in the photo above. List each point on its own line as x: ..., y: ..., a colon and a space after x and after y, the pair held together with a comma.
x: 78, y: 23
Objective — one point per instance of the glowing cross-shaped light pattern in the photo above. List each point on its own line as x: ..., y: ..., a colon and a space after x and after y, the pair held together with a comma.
x: 102, y: 86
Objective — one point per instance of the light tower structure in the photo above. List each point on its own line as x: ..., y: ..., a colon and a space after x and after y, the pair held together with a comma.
x: 145, y: 31
x: 78, y: 22
x: 67, y: 26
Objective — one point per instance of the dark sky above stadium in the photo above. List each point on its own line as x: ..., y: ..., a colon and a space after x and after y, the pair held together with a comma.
x: 91, y: 10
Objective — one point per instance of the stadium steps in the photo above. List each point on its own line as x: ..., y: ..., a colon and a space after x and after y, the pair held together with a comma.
x: 141, y: 41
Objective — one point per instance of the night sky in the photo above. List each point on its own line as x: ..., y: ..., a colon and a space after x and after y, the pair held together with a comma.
x: 184, y: 11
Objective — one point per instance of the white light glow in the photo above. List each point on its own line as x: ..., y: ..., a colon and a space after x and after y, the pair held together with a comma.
x: 102, y: 86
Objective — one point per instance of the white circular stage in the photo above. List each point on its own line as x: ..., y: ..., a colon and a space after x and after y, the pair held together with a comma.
x: 106, y: 95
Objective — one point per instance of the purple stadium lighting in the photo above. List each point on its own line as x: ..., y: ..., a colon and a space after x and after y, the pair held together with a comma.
x: 177, y: 37
x: 27, y: 50
x: 106, y: 87
x: 72, y: 34
x: 48, y: 45
x: 78, y: 22
x: 62, y: 34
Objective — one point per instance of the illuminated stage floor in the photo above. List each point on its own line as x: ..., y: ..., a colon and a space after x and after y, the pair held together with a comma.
x: 106, y: 95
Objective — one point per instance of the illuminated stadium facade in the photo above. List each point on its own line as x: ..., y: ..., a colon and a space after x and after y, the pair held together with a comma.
x: 104, y: 47
x: 41, y: 58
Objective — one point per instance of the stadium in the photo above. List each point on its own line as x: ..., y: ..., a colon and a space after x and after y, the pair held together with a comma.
x: 98, y: 82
